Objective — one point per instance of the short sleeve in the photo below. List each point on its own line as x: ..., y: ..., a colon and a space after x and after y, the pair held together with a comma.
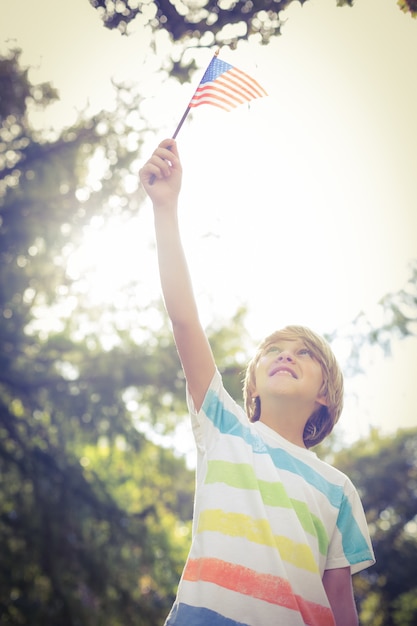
x: 351, y: 544
x: 219, y: 413
x: 202, y: 428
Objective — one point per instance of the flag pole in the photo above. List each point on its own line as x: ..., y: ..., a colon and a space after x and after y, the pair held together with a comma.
x: 188, y: 109
x: 184, y: 116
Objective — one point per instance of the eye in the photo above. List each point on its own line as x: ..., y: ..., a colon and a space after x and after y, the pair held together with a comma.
x: 305, y: 352
x: 270, y: 349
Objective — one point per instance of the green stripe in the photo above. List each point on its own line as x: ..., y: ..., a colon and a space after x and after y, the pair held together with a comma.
x: 242, y: 476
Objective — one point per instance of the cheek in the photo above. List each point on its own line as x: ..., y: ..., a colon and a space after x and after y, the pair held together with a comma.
x: 319, y: 377
x: 263, y: 362
x: 259, y: 365
x: 260, y: 368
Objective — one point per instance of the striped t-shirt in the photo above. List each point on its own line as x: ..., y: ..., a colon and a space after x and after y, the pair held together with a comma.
x: 269, y: 519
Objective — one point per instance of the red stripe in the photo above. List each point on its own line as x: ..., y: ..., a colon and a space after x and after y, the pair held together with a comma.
x: 250, y: 83
x: 233, y: 82
x: 231, y: 88
x: 217, y: 94
x: 266, y: 587
x: 215, y: 104
x: 218, y: 89
x: 235, y: 86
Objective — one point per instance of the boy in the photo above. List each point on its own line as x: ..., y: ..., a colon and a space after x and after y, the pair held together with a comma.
x: 277, y: 533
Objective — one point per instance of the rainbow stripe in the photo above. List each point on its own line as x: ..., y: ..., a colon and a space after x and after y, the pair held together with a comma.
x: 265, y: 587
x: 242, y: 476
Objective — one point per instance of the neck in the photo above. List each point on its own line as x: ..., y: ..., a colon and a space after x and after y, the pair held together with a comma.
x: 287, y: 418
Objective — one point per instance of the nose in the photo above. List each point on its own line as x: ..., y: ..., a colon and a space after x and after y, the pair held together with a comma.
x: 285, y: 355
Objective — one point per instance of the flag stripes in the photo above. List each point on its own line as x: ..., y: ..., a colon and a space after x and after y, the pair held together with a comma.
x: 225, y: 87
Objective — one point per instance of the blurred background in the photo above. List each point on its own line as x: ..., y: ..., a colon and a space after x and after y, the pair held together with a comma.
x: 296, y: 208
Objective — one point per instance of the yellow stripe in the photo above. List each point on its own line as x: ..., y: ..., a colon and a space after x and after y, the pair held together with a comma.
x: 242, y: 476
x: 257, y: 531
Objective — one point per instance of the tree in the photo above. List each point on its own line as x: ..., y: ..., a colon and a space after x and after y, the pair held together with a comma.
x: 208, y: 23
x: 84, y: 496
x: 384, y: 469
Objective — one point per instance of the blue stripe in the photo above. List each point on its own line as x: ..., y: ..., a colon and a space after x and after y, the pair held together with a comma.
x: 354, y: 544
x: 227, y: 423
x: 355, y: 547
x: 186, y: 615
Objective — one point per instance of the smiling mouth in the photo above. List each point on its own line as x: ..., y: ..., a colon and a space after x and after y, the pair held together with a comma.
x: 282, y: 371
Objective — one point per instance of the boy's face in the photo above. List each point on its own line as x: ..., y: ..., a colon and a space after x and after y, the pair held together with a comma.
x: 287, y: 367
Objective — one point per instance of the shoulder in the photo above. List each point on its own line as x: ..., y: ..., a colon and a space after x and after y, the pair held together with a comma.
x: 216, y: 400
x: 332, y: 473
x: 219, y: 413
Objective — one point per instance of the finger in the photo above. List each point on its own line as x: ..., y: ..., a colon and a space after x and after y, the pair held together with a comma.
x: 148, y: 173
x: 151, y: 172
x: 163, y: 160
x: 166, y: 161
x: 169, y: 144
x: 156, y: 168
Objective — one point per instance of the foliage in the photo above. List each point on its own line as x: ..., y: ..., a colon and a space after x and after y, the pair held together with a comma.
x: 209, y: 22
x: 408, y: 6
x: 85, y: 498
x: 384, y: 469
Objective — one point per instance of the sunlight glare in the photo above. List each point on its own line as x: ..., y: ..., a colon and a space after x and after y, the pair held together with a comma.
x: 109, y: 258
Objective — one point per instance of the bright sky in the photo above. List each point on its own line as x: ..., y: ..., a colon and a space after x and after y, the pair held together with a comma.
x: 303, y: 205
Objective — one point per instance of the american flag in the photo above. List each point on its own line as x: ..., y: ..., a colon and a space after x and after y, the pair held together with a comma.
x: 226, y: 87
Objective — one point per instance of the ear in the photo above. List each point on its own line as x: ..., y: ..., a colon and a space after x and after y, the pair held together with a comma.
x: 322, y: 400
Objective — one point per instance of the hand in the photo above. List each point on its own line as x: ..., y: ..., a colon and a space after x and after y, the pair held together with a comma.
x: 162, y: 174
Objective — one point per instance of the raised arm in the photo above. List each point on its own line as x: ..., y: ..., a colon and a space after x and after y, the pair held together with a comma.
x: 161, y: 177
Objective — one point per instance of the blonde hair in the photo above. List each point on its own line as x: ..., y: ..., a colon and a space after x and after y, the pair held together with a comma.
x: 321, y: 422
